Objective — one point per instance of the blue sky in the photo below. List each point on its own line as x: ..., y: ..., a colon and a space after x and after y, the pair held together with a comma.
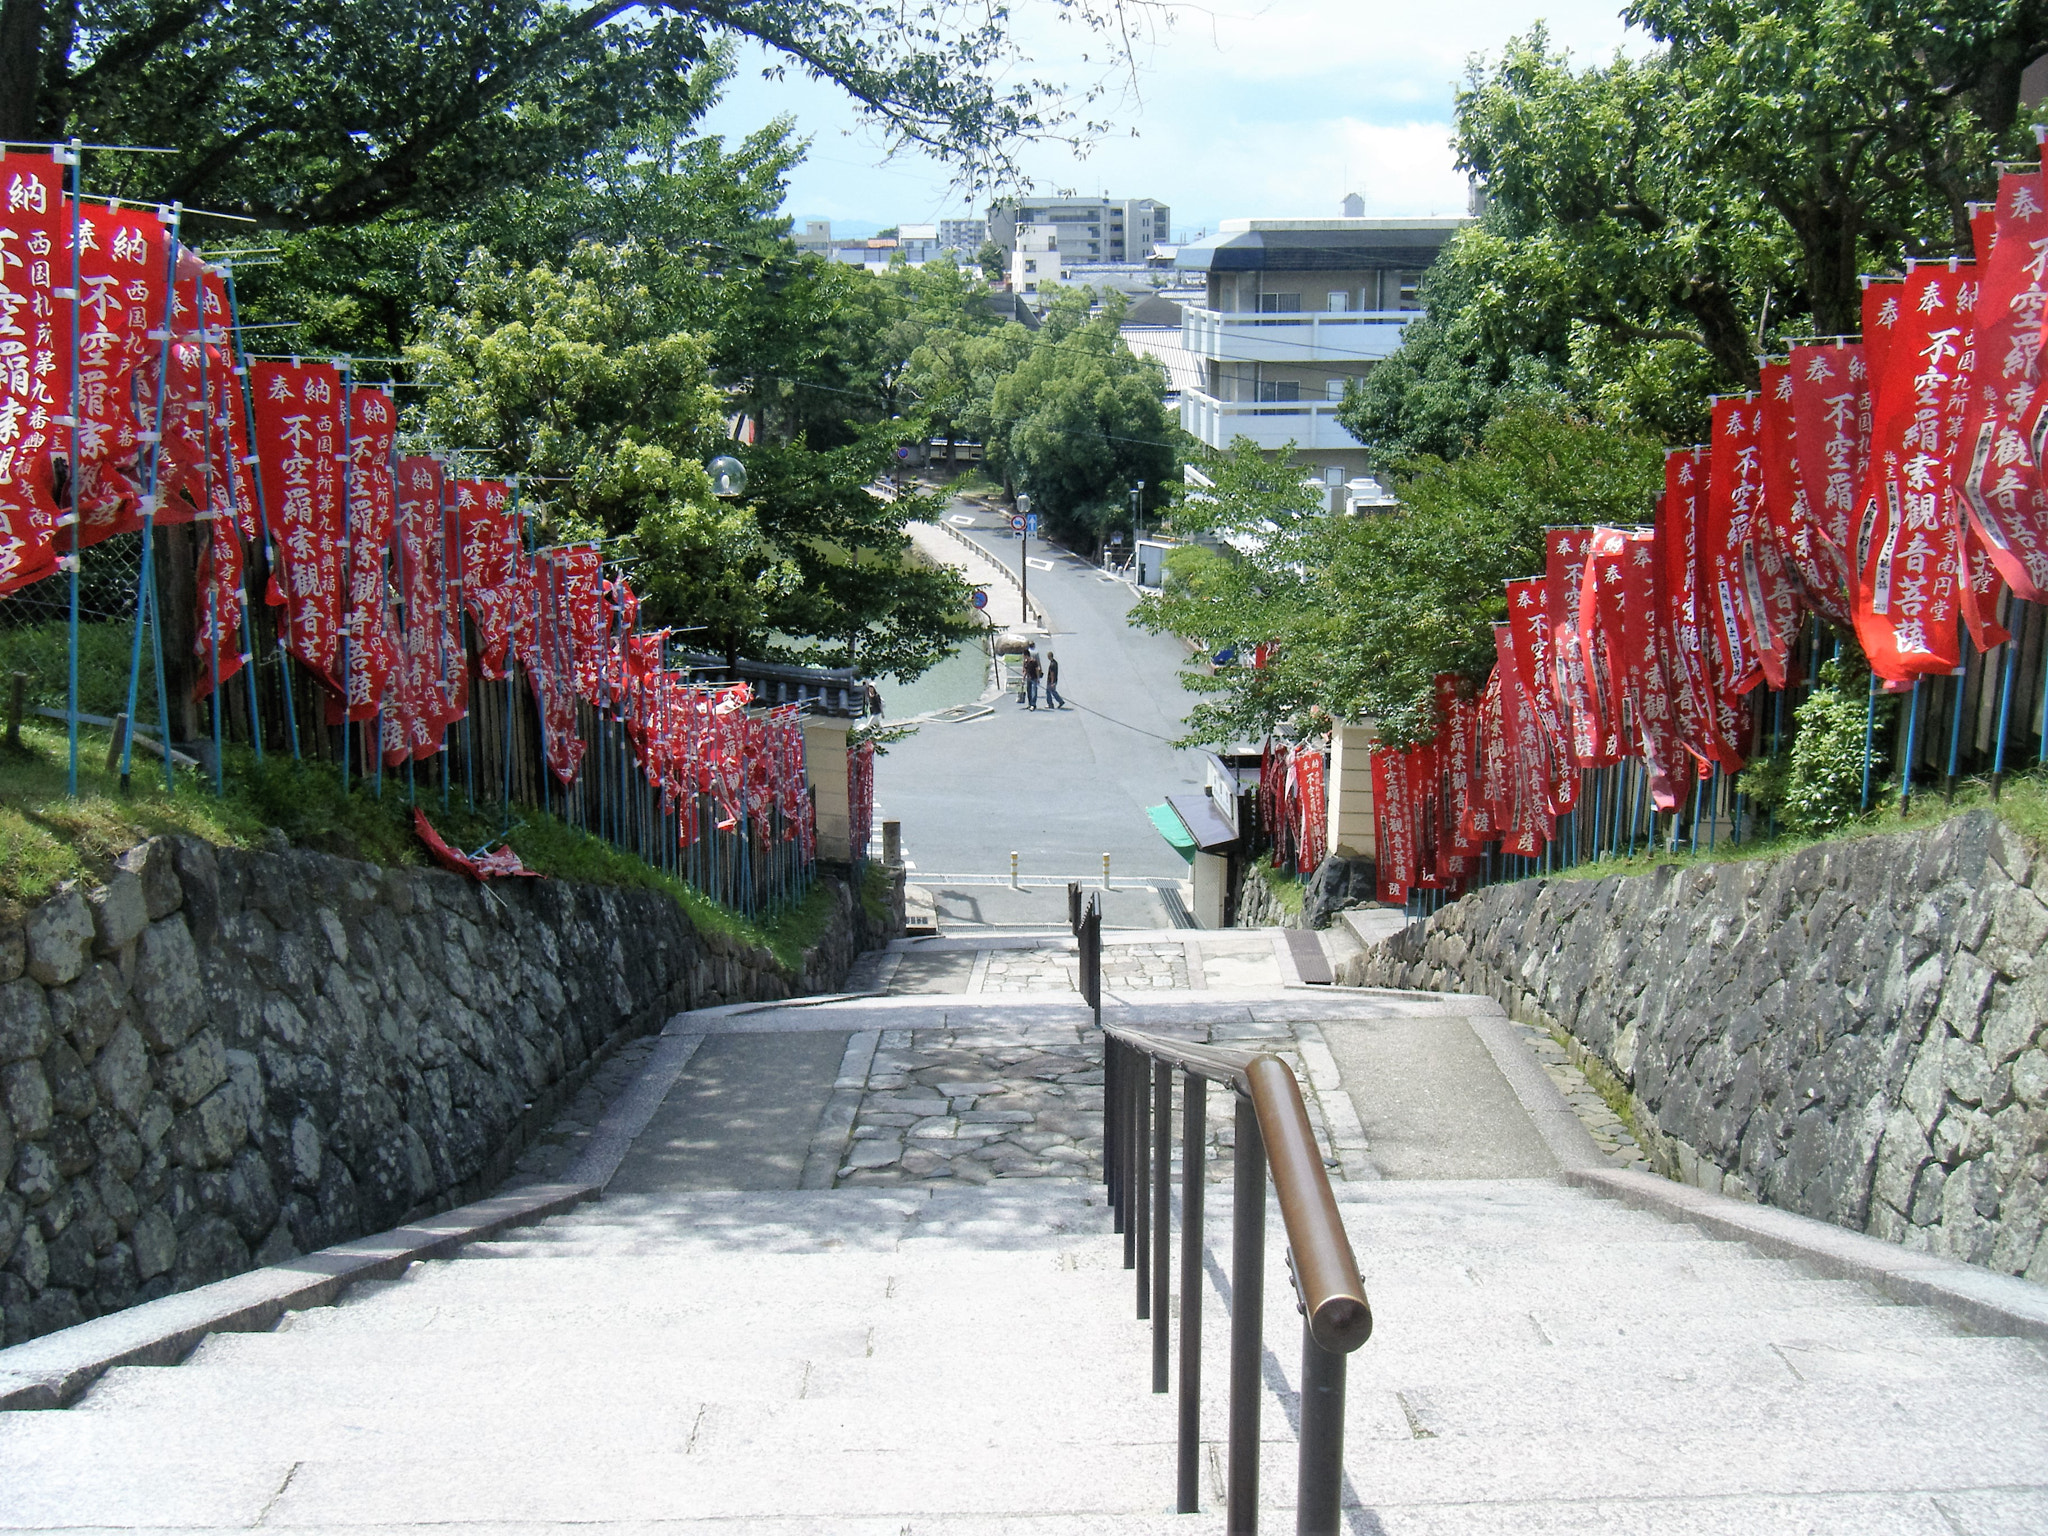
x: 1251, y: 109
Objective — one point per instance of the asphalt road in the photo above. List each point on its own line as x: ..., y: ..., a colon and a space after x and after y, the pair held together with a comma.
x: 1060, y: 787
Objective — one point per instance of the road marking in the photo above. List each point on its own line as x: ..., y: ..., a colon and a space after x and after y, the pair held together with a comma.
x: 1037, y: 564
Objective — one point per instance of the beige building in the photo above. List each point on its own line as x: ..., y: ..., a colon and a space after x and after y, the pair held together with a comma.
x: 1092, y: 230
x: 1295, y: 309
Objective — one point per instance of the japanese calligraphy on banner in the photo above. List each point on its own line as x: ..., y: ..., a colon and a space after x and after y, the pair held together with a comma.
x: 491, y: 586
x: 1831, y: 449
x: 299, y: 455
x: 1906, y: 600
x: 34, y: 367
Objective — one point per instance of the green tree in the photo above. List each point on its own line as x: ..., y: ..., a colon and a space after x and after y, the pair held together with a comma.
x: 587, y: 382
x: 1655, y: 223
x: 1363, y: 613
x: 994, y: 262
x: 1080, y: 418
x: 318, y: 112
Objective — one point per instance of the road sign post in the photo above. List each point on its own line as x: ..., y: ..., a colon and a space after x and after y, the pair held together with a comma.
x: 1023, y: 522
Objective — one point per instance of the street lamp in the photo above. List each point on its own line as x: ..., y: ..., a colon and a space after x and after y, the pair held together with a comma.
x: 728, y: 476
x: 1024, y: 557
x: 1137, y: 511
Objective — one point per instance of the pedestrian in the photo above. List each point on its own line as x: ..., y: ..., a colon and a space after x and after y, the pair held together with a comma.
x: 1052, y: 682
x: 1032, y: 672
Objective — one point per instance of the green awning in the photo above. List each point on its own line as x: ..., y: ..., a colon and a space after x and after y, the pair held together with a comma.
x: 1173, y: 829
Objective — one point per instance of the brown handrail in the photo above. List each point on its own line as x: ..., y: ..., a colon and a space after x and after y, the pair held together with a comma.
x: 1325, y: 1270
x: 1273, y: 1136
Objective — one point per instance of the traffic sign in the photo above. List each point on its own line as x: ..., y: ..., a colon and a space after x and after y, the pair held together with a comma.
x: 1017, y: 523
x: 1031, y: 523
x: 981, y: 597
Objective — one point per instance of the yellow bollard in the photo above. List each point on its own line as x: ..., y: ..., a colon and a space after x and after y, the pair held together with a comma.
x: 1105, y: 871
x: 1013, y: 870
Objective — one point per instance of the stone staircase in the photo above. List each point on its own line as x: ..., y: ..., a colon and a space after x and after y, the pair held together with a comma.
x: 960, y: 1357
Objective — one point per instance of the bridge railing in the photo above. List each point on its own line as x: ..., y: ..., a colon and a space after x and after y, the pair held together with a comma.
x: 1273, y: 1136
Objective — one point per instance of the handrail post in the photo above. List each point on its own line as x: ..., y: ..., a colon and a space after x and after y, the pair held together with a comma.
x: 1247, y: 1307
x: 1130, y: 1134
x: 1194, y: 1147
x: 1321, y: 1481
x: 1113, y: 1145
x: 1141, y: 1181
x: 1162, y: 1207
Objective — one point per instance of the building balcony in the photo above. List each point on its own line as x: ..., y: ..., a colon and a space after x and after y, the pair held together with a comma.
x: 1308, y: 424
x: 1343, y: 337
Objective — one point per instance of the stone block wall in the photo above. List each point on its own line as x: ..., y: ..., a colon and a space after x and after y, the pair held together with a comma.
x: 224, y: 1058
x: 1857, y: 1032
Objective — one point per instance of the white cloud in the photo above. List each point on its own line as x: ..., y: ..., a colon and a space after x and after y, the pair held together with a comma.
x: 1255, y: 109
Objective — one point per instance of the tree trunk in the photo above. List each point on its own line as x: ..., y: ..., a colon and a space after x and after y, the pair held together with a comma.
x: 21, y: 68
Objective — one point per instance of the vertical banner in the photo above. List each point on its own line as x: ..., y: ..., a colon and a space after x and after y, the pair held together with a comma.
x: 298, y: 452
x: 1998, y: 464
x: 124, y: 264
x: 34, y: 362
x: 1586, y: 734
x: 489, y: 538
x: 1907, y: 554
x: 1528, y: 615
x: 1831, y: 450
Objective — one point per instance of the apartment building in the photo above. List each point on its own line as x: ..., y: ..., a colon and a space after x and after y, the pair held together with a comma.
x: 1295, y: 309
x: 963, y: 237
x: 1091, y: 230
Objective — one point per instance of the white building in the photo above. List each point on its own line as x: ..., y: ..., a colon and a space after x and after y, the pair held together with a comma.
x: 1295, y: 310
x: 1035, y: 260
x: 1092, y: 230
x: 963, y: 237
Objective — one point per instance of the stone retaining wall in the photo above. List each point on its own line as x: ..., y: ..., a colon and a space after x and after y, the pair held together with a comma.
x: 223, y: 1058
x: 1854, y: 1032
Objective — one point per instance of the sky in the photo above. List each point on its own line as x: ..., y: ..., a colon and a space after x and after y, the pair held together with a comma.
x: 1256, y: 108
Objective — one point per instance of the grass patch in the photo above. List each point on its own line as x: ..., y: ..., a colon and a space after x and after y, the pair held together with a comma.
x: 41, y: 652
x: 2022, y: 806
x: 1288, y: 890
x: 47, y: 837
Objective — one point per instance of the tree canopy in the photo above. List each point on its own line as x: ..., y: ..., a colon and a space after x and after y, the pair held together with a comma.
x: 1362, y: 613
x: 1653, y: 224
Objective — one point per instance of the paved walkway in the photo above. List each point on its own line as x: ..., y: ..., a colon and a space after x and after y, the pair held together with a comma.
x: 852, y: 1273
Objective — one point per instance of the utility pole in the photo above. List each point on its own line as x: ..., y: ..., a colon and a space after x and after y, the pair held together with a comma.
x: 1024, y: 557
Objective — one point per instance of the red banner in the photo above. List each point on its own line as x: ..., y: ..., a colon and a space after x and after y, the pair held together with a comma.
x: 492, y: 589
x: 1693, y: 678
x: 34, y: 363
x: 1528, y: 614
x: 1906, y: 554
x: 1997, y: 467
x: 1831, y: 430
x: 299, y: 450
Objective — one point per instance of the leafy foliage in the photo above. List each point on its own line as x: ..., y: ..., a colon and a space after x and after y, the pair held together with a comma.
x: 1817, y: 788
x: 1653, y: 224
x: 1363, y: 613
x: 1079, y: 418
x: 309, y: 113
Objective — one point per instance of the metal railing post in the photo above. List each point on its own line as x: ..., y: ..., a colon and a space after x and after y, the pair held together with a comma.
x: 1130, y: 1135
x: 1113, y: 1147
x: 1247, y: 1307
x: 1162, y: 1208
x: 1141, y: 1181
x: 1321, y: 1481
x: 1194, y: 1139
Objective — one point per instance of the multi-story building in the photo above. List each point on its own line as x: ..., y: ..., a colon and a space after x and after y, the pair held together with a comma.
x: 1036, y: 260
x: 1092, y: 230
x: 1296, y: 309
x: 816, y: 235
x: 963, y: 237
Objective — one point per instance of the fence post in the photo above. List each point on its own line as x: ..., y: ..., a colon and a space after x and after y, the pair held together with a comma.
x: 1247, y: 1307
x: 1194, y: 1157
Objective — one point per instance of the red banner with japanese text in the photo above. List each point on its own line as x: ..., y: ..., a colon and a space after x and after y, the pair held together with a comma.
x: 1907, y: 556
x: 34, y: 363
x: 1831, y: 448
x: 298, y: 453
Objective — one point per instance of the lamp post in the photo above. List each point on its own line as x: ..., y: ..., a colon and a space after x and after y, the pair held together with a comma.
x: 1024, y: 558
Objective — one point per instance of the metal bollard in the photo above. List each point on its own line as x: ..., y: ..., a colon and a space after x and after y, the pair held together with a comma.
x: 1105, y: 871
x: 1013, y: 870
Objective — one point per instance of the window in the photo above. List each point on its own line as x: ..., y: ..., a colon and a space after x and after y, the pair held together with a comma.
x: 1333, y: 390
x: 1279, y: 303
x: 1030, y: 265
x: 1411, y: 290
x: 1333, y: 475
x: 1338, y: 300
x: 1279, y: 391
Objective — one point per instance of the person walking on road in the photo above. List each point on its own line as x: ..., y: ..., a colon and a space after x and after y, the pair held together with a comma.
x: 1052, y: 682
x: 1032, y: 672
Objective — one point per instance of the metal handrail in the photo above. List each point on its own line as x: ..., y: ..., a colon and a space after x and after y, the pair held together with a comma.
x: 1273, y: 1135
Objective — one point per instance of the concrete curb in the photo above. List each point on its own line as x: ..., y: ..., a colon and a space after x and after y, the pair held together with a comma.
x: 1982, y: 1301
x: 1563, y: 1132
x: 51, y: 1371
x: 628, y: 1114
